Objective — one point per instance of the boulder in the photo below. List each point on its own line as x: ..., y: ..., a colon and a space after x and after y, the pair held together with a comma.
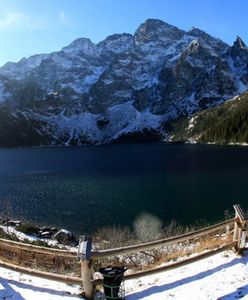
x: 28, y: 228
x: 47, y: 232
x: 65, y: 237
x: 13, y: 223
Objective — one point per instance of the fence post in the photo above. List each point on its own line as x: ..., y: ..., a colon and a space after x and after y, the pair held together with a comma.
x: 236, y: 228
x: 240, y: 227
x: 84, y: 255
x: 227, y: 217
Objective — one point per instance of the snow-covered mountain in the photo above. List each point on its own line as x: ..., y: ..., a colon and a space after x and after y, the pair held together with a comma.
x: 126, y: 86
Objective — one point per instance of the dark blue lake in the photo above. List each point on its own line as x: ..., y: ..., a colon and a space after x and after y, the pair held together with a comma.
x: 84, y: 188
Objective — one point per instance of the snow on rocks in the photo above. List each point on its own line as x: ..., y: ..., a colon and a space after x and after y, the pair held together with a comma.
x: 192, y: 122
x: 125, y: 118
x: 60, y: 238
x: 75, y: 125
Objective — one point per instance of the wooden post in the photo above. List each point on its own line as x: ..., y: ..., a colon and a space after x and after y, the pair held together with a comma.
x: 84, y: 255
x: 240, y: 227
x: 227, y: 217
x: 243, y: 239
x: 236, y: 229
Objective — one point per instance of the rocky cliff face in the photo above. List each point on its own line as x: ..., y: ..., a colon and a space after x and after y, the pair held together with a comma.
x: 125, y: 86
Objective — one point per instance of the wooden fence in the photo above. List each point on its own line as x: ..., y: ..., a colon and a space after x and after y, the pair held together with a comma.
x: 53, y: 264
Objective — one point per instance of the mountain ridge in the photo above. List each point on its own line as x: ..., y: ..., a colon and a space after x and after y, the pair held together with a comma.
x: 122, y: 86
x: 224, y: 124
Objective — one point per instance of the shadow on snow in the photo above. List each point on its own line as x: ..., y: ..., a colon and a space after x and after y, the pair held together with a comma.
x: 160, y: 289
x: 10, y: 293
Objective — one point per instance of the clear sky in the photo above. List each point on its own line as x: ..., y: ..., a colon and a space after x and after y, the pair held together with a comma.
x: 31, y: 26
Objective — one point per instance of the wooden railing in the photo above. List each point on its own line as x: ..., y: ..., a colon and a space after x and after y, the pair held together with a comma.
x: 240, y: 228
x: 14, y: 254
x: 35, y: 257
x: 163, y: 242
x: 239, y: 235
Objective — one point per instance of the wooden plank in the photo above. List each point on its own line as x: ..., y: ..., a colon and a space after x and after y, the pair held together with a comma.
x: 86, y: 279
x: 37, y: 249
x: 240, y: 212
x: 84, y: 253
x: 242, y: 242
x: 42, y: 274
x: 162, y: 242
x: 176, y: 264
x: 240, y: 227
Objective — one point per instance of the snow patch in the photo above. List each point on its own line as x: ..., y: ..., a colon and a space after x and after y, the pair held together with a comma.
x: 242, y: 87
x: 107, y: 81
x: 83, y: 85
x: 191, y: 123
x: 83, y: 124
x: 123, y: 94
x: 124, y: 118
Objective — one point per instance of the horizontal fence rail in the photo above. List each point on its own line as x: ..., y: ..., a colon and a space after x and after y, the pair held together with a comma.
x: 39, y: 258
x: 174, y: 265
x: 162, y: 242
x: 42, y: 274
x: 37, y: 249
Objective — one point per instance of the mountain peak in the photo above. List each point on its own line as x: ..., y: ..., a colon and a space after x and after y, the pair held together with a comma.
x: 81, y: 45
x: 117, y: 36
x: 151, y: 29
x: 239, y: 43
x: 217, y: 44
x: 196, y: 31
x: 152, y: 24
x: 116, y: 43
x: 156, y: 22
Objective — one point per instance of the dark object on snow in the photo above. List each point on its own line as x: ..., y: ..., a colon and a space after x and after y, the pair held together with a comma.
x: 112, y: 280
x: 65, y: 237
x: 47, y: 232
x: 28, y: 228
x: 13, y: 223
x: 44, y: 228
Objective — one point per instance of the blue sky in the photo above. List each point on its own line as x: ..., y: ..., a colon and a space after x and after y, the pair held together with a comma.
x: 30, y: 26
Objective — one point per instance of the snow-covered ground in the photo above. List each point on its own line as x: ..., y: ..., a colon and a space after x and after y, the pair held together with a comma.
x: 17, y: 286
x: 223, y: 276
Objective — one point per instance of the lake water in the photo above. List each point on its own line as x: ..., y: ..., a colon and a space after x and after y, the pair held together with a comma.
x: 84, y: 188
